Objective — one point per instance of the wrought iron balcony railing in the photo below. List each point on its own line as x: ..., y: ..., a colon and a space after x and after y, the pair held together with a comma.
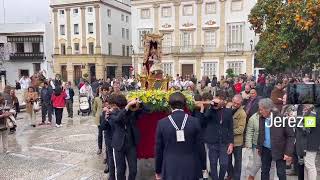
x: 235, y: 47
x: 26, y: 55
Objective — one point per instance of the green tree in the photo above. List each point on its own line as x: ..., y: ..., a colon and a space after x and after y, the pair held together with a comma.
x: 289, y: 33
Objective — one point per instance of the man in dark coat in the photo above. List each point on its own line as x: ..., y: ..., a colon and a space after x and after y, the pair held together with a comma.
x: 218, y: 134
x: 46, y: 104
x: 275, y: 143
x: 107, y: 130
x: 252, y: 104
x: 125, y: 137
x: 179, y: 149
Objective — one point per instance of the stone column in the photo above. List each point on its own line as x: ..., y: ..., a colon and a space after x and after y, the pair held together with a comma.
x: 119, y: 70
x: 69, y: 47
x: 99, y: 69
x: 156, y: 17
x: 198, y: 67
x: 70, y: 73
x: 177, y: 22
x: 56, y: 68
x: 56, y: 31
x: 199, y: 21
x: 222, y: 26
x: 221, y: 67
x: 83, y: 31
x: 98, y: 45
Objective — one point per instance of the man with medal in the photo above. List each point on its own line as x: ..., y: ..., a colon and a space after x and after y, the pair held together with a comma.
x: 179, y: 147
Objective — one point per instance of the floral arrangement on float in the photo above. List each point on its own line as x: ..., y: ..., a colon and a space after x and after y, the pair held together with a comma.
x: 158, y: 100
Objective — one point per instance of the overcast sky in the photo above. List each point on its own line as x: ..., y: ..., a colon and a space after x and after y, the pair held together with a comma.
x: 25, y: 11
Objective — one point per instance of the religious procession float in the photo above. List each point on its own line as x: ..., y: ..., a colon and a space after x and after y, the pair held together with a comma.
x: 154, y: 93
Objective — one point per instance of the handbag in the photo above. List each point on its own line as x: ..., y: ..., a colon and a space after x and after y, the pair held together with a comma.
x: 10, y: 123
x: 36, y: 106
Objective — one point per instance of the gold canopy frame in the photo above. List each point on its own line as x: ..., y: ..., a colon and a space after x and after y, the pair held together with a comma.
x: 153, y: 80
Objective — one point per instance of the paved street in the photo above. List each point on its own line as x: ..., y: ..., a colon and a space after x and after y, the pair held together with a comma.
x: 57, y: 153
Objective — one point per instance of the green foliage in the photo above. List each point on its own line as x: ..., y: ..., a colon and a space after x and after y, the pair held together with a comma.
x: 230, y: 73
x: 289, y: 37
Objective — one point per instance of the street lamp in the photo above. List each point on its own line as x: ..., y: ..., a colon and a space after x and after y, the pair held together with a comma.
x: 251, y: 44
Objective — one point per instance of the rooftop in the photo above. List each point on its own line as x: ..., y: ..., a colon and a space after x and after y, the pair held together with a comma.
x: 16, y: 28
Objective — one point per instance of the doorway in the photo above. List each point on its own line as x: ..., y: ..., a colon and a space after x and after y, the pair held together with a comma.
x: 92, y: 72
x: 111, y: 72
x: 187, y: 69
x: 64, y: 73
x: 77, y: 74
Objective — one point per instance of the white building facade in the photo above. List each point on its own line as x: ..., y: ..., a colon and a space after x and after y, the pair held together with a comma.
x: 25, y: 49
x: 200, y: 37
x: 92, y: 37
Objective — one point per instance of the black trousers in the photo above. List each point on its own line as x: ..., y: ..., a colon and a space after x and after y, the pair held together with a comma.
x: 234, y: 171
x: 266, y: 159
x: 100, y: 137
x: 46, y: 109
x: 58, y: 113
x: 129, y: 153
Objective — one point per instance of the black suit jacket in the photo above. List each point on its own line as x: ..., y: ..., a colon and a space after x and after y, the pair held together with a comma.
x: 122, y: 122
x: 179, y: 160
x: 105, y: 125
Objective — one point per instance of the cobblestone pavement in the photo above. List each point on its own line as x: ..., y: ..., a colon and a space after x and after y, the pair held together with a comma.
x: 49, y: 153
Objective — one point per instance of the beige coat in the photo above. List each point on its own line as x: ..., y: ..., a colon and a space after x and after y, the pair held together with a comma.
x: 239, y: 123
x: 97, y: 110
x: 29, y: 98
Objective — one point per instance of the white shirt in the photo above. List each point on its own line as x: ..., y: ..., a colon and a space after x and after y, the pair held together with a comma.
x: 86, y: 90
x: 25, y: 83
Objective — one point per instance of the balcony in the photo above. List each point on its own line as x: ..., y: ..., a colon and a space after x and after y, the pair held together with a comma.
x: 235, y: 48
x: 187, y: 49
x: 209, y: 48
x: 26, y: 56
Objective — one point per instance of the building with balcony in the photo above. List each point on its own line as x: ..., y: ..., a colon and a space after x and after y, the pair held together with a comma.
x: 91, y: 37
x: 24, y: 50
x: 200, y: 37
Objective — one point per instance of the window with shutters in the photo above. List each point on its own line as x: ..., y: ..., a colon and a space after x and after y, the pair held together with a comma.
x: 63, y: 49
x: 209, y: 69
x: 123, y: 50
x: 109, y: 49
x: 76, y: 28
x: 188, y: 10
x: 141, y: 34
x: 91, y: 48
x: 75, y: 11
x: 145, y: 13
x: 186, y: 38
x: 62, y: 30
x: 235, y: 36
x: 128, y: 51
x: 90, y: 28
x: 90, y: 10
x: 236, y: 5
x: 210, y: 8
x: 210, y: 38
x: 76, y: 48
x: 236, y: 66
x: 109, y: 29
x: 122, y: 33
x: 127, y: 34
x: 167, y: 68
x: 166, y: 42
x: 166, y: 11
